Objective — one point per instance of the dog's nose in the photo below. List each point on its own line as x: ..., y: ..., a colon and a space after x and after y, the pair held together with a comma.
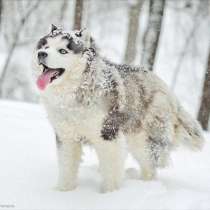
x: 42, y: 55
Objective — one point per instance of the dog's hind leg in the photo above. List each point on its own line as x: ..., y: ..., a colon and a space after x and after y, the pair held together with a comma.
x: 69, y: 156
x: 160, y: 133
x: 138, y: 147
x: 151, y: 147
x: 159, y: 129
x: 111, y: 155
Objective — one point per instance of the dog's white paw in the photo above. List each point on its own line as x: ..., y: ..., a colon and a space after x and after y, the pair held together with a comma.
x: 65, y: 186
x: 105, y: 188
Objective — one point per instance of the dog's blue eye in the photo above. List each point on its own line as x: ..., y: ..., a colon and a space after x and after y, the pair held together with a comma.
x: 63, y: 51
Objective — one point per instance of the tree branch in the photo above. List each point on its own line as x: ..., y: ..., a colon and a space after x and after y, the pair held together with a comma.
x: 185, y: 48
x: 14, y: 44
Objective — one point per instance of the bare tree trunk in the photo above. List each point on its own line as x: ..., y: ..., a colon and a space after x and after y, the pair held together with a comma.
x: 204, y: 111
x: 14, y: 44
x: 152, y: 34
x: 78, y: 14
x: 1, y: 11
x: 64, y: 7
x: 133, y: 27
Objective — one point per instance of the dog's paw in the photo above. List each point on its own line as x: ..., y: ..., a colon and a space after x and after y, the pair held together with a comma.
x: 65, y: 187
x: 109, y: 188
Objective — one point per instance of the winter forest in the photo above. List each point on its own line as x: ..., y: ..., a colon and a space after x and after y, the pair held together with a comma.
x: 169, y: 37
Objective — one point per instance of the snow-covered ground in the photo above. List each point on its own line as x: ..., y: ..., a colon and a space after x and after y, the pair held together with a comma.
x: 29, y: 169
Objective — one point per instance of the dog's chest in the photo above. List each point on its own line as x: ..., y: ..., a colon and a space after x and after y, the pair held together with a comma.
x: 72, y: 118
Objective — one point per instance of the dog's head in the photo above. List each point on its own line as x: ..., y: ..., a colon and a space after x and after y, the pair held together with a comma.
x: 58, y: 54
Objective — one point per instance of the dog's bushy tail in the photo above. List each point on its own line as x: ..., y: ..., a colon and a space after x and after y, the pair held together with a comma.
x: 189, y: 131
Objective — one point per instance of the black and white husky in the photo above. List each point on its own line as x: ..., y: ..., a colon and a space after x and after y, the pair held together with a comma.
x: 111, y: 107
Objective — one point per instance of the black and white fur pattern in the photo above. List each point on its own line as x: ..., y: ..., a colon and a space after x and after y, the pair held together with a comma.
x: 111, y: 107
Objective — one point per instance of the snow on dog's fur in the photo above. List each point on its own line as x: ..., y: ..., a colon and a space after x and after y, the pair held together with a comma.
x: 111, y: 107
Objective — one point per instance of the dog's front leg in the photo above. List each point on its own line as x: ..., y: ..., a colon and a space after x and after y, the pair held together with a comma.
x: 69, y: 156
x: 111, y: 155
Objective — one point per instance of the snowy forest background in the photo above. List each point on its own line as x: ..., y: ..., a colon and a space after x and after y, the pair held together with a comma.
x: 170, y: 37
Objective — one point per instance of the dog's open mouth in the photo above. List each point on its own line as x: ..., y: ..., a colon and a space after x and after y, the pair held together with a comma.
x: 48, y: 75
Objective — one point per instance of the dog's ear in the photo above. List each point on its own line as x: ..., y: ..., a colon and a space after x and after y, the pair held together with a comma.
x: 85, y: 36
x: 80, y: 32
x: 53, y: 28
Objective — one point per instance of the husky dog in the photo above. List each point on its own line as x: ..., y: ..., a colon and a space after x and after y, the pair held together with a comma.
x: 112, y: 107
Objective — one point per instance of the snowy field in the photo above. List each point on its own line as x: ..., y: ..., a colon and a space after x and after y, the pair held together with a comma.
x: 29, y: 171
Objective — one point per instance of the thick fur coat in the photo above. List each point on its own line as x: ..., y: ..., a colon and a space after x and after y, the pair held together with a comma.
x: 112, y: 107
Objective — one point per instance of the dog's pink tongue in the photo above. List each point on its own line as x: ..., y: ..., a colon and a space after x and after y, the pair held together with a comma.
x: 44, y: 79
